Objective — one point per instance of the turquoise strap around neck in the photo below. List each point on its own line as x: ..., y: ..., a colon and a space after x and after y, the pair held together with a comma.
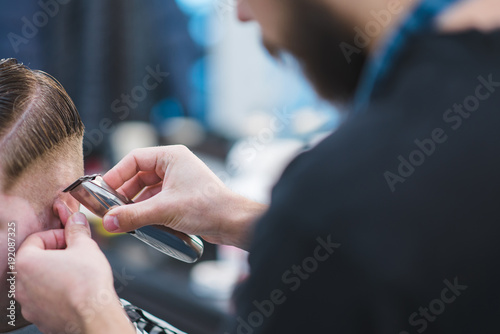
x: 379, y: 64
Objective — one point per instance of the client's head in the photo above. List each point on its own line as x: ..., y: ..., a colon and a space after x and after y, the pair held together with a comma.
x: 40, y: 137
x: 40, y: 151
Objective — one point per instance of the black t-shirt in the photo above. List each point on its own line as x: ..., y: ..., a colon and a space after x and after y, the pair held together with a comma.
x: 392, y: 224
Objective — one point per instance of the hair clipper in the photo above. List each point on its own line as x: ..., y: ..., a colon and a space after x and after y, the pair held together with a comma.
x: 97, y: 196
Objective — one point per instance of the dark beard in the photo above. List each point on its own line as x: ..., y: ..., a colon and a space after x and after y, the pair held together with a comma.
x: 314, y: 36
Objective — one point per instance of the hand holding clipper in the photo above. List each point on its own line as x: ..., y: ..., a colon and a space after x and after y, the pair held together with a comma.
x: 97, y: 196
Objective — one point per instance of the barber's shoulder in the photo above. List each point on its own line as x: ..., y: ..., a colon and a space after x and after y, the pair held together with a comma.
x: 336, y: 173
x: 344, y: 152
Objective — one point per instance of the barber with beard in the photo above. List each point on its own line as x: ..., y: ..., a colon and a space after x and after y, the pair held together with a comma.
x: 390, y: 225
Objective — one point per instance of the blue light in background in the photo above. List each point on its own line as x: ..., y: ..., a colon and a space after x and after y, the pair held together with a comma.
x: 191, y: 7
x: 206, y: 34
x: 165, y: 109
x: 202, y: 32
x: 198, y: 74
x: 199, y: 80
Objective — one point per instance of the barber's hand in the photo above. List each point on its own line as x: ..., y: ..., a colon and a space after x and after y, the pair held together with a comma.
x: 65, y: 284
x: 176, y: 189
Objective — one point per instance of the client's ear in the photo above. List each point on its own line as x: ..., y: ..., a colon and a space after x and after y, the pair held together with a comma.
x: 61, y: 210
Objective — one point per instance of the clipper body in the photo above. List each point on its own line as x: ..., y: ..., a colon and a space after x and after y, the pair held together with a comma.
x: 97, y: 196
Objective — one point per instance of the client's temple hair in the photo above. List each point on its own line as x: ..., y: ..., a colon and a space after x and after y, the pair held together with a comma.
x: 36, y: 117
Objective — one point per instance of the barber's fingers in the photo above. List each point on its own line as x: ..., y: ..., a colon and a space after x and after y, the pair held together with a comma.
x: 77, y: 229
x: 137, y: 183
x: 51, y: 239
x: 61, y: 210
x: 149, y: 192
x: 153, y: 159
x: 130, y: 217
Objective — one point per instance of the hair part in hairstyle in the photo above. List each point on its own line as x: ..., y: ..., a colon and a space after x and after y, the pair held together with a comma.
x: 36, y: 117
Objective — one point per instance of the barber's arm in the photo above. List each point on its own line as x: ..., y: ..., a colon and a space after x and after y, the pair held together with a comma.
x: 176, y: 189
x: 65, y: 283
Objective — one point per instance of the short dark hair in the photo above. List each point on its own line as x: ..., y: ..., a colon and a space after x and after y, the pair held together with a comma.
x: 36, y: 117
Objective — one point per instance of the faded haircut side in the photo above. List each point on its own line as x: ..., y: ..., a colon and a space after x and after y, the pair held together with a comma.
x: 37, y: 117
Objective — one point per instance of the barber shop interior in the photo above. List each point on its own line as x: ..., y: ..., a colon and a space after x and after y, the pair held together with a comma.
x: 249, y: 166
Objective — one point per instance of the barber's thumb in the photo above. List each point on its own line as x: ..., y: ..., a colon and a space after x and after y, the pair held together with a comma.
x: 77, y: 227
x: 132, y: 216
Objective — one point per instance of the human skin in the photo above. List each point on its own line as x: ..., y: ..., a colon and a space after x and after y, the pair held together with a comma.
x: 89, y: 304
x: 131, y: 178
x: 35, y: 203
x: 169, y: 180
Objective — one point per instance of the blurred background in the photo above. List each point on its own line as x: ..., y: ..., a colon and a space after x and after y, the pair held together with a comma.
x: 160, y: 72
